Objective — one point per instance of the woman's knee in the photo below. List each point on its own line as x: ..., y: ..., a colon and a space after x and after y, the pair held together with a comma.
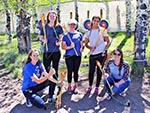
x: 116, y: 90
x: 37, y: 101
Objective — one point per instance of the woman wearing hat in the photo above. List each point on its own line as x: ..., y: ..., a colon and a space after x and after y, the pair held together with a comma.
x: 72, y: 43
x: 97, y: 41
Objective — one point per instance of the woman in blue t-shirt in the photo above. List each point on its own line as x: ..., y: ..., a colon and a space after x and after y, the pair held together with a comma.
x: 51, y: 55
x: 35, y: 78
x: 117, y: 74
x: 72, y: 43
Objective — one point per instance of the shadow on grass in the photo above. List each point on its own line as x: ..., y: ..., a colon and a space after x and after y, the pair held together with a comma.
x: 123, y: 42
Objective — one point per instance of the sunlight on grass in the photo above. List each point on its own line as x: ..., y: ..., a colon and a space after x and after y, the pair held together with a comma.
x: 13, y: 60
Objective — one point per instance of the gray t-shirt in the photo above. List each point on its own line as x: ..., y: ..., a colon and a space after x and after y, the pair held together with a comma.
x: 113, y: 70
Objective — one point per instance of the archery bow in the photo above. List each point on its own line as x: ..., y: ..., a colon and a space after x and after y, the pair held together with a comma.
x: 58, y: 101
x: 42, y: 17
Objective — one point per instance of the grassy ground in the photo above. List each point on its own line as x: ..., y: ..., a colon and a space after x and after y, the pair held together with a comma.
x: 12, y: 59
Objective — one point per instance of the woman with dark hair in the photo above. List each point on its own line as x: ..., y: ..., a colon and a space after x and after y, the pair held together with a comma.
x: 117, y: 74
x: 35, y: 78
x: 97, y: 41
x: 51, y: 55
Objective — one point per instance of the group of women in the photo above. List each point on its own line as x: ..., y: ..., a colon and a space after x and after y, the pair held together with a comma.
x: 38, y: 75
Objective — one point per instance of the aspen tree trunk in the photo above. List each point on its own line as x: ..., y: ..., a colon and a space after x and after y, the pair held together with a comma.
x: 76, y: 10
x: 23, y: 29
x: 128, y: 18
x: 58, y: 10
x: 140, y: 37
x: 8, y: 19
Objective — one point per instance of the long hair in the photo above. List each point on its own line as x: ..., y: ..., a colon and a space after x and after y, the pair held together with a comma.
x: 29, y: 54
x: 121, y: 59
x: 92, y: 23
x: 29, y: 59
x: 56, y: 21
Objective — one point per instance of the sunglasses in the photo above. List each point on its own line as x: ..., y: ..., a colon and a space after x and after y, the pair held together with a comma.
x: 117, y: 54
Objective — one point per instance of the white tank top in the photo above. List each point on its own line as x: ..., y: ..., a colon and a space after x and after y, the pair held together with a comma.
x: 97, y: 35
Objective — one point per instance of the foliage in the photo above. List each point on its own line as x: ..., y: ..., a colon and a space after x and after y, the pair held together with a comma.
x: 96, y: 0
x: 16, y: 5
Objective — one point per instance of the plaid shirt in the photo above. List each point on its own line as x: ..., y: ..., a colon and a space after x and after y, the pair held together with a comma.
x: 126, y: 67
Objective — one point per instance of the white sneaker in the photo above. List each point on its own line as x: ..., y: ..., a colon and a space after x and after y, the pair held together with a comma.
x: 51, y: 100
x: 108, y: 97
x: 122, y: 94
x: 28, y: 103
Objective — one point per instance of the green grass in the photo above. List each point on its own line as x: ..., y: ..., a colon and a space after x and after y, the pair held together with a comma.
x: 13, y: 60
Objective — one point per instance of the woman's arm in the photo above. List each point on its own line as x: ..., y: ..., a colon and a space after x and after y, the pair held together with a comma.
x: 126, y: 73
x: 50, y: 75
x: 65, y: 47
x: 107, y: 40
x: 42, y: 39
x: 39, y: 80
x: 86, y: 41
x: 117, y: 84
x: 82, y: 46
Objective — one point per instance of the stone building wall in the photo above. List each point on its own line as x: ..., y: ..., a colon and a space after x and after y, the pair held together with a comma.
x: 114, y: 12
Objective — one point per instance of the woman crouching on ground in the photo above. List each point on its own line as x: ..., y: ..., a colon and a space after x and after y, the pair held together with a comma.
x: 35, y: 78
x: 117, y: 74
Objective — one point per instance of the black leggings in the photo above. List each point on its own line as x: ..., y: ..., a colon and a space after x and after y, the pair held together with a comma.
x: 73, y: 64
x: 53, y: 57
x: 92, y: 65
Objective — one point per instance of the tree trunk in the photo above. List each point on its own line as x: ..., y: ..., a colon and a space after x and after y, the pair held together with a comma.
x: 35, y: 20
x: 76, y: 10
x: 23, y: 30
x: 140, y: 35
x: 51, y: 5
x: 58, y: 10
x: 149, y: 18
x: 8, y: 25
x: 128, y: 18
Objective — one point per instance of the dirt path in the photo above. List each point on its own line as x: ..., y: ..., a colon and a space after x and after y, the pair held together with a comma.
x: 13, y: 101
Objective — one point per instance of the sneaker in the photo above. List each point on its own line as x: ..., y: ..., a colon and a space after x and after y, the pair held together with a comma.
x: 108, y: 97
x: 96, y: 90
x: 89, y: 89
x: 75, y: 90
x: 51, y: 100
x: 122, y: 94
x: 28, y: 103
x: 69, y: 90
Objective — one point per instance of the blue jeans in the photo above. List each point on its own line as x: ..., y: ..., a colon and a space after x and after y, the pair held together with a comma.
x: 31, y: 93
x: 116, y: 90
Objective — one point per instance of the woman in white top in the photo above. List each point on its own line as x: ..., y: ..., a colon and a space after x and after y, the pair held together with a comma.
x: 97, y: 41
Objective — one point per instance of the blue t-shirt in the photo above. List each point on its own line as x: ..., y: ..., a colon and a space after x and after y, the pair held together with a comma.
x: 52, y: 35
x: 28, y: 71
x: 76, y: 37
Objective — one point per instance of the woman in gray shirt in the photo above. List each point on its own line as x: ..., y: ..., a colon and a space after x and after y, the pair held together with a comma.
x: 117, y: 77
x: 97, y: 41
